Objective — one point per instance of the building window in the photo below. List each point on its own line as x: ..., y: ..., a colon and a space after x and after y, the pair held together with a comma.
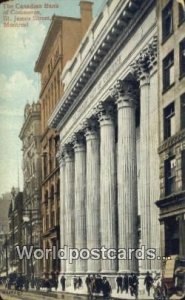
x: 168, y: 71
x: 182, y: 104
x: 170, y: 176
x: 169, y: 121
x: 182, y: 58
x: 46, y: 199
x: 52, y: 219
x: 52, y: 195
x: 181, y: 14
x: 171, y: 236
x: 167, y: 21
x: 183, y: 169
x: 47, y: 222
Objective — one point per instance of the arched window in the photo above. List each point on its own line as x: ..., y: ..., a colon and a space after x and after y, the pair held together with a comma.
x: 52, y: 194
x: 58, y: 189
x: 46, y: 198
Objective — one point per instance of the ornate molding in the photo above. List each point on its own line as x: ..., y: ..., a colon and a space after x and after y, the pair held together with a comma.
x: 172, y: 141
x: 93, y: 67
x: 105, y: 111
x: 68, y: 152
x: 78, y: 140
x: 91, y: 127
x: 124, y: 91
x: 146, y: 61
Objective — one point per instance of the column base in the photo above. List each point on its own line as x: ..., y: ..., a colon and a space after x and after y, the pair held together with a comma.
x: 109, y: 272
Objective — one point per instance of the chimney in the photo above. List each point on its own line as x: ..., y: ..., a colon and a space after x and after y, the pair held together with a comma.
x: 86, y: 15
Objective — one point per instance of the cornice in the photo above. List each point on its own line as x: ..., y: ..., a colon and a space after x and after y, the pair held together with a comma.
x: 55, y: 27
x: 171, y: 141
x: 115, y: 37
x: 33, y: 115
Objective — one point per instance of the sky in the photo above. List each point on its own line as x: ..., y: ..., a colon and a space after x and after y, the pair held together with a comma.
x: 19, y: 84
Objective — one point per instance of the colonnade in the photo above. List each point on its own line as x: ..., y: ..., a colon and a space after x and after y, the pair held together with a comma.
x: 99, y: 186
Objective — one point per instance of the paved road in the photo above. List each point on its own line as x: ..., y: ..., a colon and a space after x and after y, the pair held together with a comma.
x: 14, y: 295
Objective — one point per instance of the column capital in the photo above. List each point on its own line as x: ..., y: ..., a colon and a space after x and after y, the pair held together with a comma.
x: 60, y: 156
x: 105, y: 112
x: 141, y: 66
x: 124, y: 92
x: 152, y: 53
x: 78, y: 141
x: 91, y: 128
x: 146, y: 62
x: 68, y: 152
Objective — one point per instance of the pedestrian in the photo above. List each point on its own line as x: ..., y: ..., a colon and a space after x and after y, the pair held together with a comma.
x: 88, y: 283
x: 126, y: 282
x: 63, y: 283
x: 148, y: 282
x: 79, y: 282
x: 98, y: 283
x: 119, y: 282
x: 26, y: 284
x: 135, y: 284
x: 93, y: 284
x: 75, y: 281
x: 106, y: 288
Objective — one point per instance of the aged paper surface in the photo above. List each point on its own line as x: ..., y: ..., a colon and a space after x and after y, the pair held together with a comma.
x: 92, y: 146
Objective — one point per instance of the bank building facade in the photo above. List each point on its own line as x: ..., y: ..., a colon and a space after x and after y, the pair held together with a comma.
x: 108, y: 125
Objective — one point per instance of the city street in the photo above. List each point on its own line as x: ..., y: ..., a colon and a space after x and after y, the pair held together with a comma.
x: 13, y: 295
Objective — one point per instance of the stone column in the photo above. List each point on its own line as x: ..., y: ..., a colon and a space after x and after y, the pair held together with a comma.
x: 154, y: 156
x: 107, y: 185
x: 62, y: 206
x: 69, y: 205
x: 80, y: 199
x: 142, y: 71
x: 92, y: 191
x: 125, y: 94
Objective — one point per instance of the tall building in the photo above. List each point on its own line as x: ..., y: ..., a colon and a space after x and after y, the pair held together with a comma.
x: 4, y: 229
x: 30, y: 136
x: 15, y: 230
x: 171, y: 16
x: 108, y: 123
x: 4, y: 207
x: 63, y: 38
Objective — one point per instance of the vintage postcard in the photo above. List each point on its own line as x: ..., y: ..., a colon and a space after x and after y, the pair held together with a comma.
x: 92, y: 149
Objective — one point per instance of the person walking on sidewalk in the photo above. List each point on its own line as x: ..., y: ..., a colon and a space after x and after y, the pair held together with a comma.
x: 106, y: 288
x: 126, y: 282
x: 75, y: 281
x: 148, y: 282
x: 88, y: 283
x: 133, y: 283
x: 119, y: 282
x: 63, y: 283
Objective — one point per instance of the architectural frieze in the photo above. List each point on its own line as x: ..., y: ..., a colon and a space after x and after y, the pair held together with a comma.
x: 95, y: 60
x: 170, y: 142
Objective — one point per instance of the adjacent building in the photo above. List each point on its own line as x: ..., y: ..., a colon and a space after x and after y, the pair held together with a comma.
x: 30, y: 136
x: 108, y: 119
x: 171, y: 16
x: 15, y: 230
x: 4, y: 237
x: 63, y: 38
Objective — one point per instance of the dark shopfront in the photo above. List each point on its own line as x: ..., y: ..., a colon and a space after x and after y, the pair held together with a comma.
x: 172, y: 220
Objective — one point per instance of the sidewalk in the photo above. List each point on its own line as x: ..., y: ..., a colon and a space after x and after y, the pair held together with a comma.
x: 43, y: 294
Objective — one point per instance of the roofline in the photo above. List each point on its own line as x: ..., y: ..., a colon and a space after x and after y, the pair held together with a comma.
x: 55, y: 19
x: 45, y: 48
x: 32, y: 115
